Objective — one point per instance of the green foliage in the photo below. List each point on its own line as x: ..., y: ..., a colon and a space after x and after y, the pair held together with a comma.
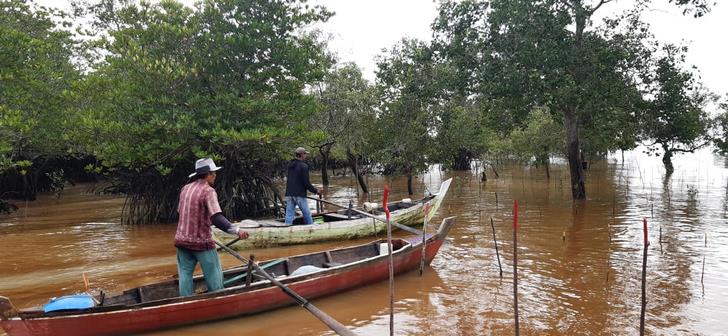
x: 178, y: 83
x: 347, y: 107
x: 697, y: 8
x: 720, y: 138
x: 540, y: 138
x: 36, y: 75
x: 516, y: 55
x: 676, y: 118
x: 400, y: 137
x: 226, y: 80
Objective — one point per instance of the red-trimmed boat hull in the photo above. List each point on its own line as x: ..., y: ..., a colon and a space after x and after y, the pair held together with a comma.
x: 134, y: 320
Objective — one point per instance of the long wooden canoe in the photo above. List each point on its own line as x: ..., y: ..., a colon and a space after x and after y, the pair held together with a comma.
x: 337, y: 225
x: 158, y: 305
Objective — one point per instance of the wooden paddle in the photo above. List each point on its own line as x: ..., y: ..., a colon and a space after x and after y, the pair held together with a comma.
x: 366, y: 214
x: 335, y: 325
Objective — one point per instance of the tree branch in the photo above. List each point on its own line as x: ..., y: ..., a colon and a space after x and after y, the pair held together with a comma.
x: 691, y: 149
x: 601, y: 2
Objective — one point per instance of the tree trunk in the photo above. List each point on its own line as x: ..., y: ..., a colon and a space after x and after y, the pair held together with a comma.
x: 543, y: 158
x: 548, y: 174
x: 578, y: 191
x: 325, y: 151
x: 409, y: 184
x: 571, y: 124
x: 667, y: 161
x: 353, y: 163
x: 462, y: 160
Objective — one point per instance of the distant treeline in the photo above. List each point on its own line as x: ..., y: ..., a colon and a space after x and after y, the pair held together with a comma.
x: 132, y: 92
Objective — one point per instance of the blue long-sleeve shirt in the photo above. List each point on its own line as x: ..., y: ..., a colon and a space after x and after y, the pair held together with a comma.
x: 297, y: 181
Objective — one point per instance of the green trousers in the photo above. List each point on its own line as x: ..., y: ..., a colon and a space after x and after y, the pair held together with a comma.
x: 210, y: 263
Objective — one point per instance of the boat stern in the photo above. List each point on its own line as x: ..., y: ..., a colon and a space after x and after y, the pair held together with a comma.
x: 7, y: 310
x: 445, y: 227
x: 10, y: 321
x: 437, y: 201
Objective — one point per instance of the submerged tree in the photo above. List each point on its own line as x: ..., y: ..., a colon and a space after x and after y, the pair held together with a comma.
x: 676, y: 119
x: 550, y: 53
x: 539, y: 139
x: 225, y: 81
x: 720, y: 138
x: 400, y: 137
x: 36, y: 74
x: 347, y: 101
x: 459, y: 48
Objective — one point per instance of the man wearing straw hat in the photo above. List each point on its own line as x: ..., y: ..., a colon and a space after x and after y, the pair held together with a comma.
x: 297, y: 183
x: 198, y: 210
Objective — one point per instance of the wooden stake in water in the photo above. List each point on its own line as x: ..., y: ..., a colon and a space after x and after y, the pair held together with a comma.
x: 702, y: 275
x: 515, y: 262
x: 660, y: 238
x: 609, y: 247
x: 424, y: 238
x: 391, y: 262
x: 85, y: 281
x: 644, y: 279
x: 497, y: 254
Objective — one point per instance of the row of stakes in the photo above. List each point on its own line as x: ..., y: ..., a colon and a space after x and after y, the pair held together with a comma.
x: 646, y: 244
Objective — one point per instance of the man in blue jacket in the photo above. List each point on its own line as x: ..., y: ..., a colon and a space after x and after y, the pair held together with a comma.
x: 297, y: 183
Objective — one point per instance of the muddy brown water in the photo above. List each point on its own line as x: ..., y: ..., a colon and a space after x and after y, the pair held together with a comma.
x: 579, y: 262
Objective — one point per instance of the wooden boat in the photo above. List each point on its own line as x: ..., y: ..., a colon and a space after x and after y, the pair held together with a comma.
x: 158, y: 305
x: 337, y: 225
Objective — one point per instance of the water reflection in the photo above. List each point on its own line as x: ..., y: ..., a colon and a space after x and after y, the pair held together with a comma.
x: 579, y: 262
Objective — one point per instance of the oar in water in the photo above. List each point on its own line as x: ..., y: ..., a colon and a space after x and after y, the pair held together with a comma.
x: 366, y: 214
x: 424, y: 239
x: 335, y: 325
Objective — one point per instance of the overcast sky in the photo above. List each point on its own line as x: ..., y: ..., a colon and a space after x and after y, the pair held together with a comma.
x: 362, y: 28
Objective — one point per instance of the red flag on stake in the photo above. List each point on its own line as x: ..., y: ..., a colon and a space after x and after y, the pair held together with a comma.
x: 644, y: 221
x: 515, y: 214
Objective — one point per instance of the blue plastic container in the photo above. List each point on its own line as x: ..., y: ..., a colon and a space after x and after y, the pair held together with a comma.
x: 70, y: 302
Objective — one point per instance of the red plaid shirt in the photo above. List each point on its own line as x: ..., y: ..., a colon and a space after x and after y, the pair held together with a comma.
x: 197, y: 203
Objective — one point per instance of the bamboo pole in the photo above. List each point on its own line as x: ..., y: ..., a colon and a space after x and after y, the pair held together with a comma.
x: 391, y: 262
x: 497, y: 254
x: 335, y: 325
x: 249, y: 276
x: 85, y: 281
x: 424, y: 238
x: 702, y: 275
x: 644, y: 279
x: 660, y: 238
x: 515, y: 263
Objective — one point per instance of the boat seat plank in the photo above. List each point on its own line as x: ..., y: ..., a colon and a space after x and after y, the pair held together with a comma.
x: 357, y: 253
x: 316, y: 259
x: 333, y: 217
x: 241, y: 276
